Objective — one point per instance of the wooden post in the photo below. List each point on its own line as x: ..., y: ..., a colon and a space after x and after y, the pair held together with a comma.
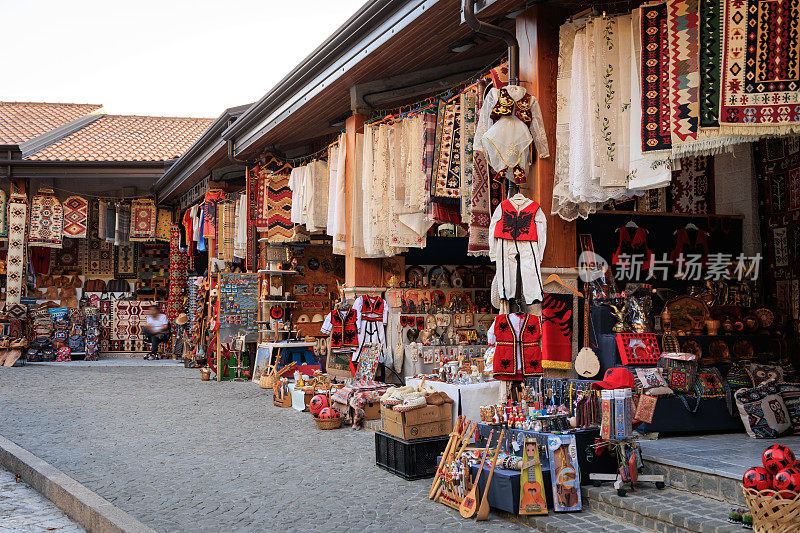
x: 358, y: 272
x: 537, y: 33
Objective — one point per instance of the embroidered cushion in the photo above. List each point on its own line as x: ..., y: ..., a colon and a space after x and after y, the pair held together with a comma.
x: 791, y: 397
x: 681, y: 381
x: 789, y: 372
x: 763, y: 411
x: 762, y: 373
x: 652, y: 382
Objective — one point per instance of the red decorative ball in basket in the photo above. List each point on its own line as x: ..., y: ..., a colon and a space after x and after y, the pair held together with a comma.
x: 757, y: 478
x: 317, y: 404
x: 787, y: 482
x: 777, y: 457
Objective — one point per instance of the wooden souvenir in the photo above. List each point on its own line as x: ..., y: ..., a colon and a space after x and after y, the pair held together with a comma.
x: 532, y: 499
x: 587, y: 364
x: 687, y: 310
x: 483, y: 510
x: 469, y: 505
x: 564, y: 473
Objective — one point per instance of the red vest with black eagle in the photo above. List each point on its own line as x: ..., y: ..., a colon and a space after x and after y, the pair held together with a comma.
x: 507, y: 344
x: 517, y: 225
x: 344, y: 331
x: 372, y: 308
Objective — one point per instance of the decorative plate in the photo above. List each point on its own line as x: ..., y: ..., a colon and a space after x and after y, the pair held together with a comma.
x: 691, y: 346
x: 414, y: 276
x: 463, y: 274
x: 313, y: 263
x: 439, y: 277
x: 765, y: 317
x: 685, y: 310
x: 718, y: 351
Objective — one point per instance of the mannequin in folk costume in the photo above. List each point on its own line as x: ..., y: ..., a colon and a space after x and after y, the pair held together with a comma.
x: 517, y: 236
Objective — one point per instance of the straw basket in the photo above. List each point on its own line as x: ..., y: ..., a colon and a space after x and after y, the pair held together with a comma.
x: 771, y: 512
x: 328, y: 423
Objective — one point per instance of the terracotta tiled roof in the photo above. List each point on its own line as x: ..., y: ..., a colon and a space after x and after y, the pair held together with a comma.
x: 127, y: 138
x: 22, y: 121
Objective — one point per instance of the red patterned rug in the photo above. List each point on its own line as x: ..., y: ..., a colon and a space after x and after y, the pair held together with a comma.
x: 655, y: 79
x: 127, y: 323
x: 179, y: 265
x: 76, y: 214
x: 280, y: 228
x: 143, y: 220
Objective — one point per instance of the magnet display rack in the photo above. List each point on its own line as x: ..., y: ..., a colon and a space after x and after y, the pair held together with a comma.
x: 264, y: 300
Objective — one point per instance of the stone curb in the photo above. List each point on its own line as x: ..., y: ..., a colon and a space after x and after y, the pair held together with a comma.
x: 87, y: 508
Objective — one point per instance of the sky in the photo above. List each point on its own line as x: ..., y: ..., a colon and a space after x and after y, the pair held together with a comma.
x: 158, y: 57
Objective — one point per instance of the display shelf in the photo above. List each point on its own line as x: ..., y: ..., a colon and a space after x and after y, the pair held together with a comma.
x: 271, y: 272
x: 279, y: 301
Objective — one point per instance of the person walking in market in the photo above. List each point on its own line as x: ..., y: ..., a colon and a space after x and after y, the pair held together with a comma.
x: 156, y: 331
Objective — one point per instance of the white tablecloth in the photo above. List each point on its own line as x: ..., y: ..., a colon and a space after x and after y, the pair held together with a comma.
x: 468, y: 397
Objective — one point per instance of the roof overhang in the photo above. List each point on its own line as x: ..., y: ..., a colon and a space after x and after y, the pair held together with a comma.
x: 384, y: 38
x: 203, y: 156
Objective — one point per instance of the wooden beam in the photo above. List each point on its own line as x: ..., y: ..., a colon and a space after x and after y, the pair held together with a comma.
x: 537, y: 33
x: 357, y: 272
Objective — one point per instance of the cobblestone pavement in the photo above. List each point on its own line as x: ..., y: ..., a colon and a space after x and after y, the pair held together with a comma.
x: 181, y: 454
x: 22, y: 509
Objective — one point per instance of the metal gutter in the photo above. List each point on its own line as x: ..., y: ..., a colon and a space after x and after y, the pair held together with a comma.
x: 375, y: 23
x: 116, y: 164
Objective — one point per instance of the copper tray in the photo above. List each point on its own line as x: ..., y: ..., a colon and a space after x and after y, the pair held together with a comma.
x: 685, y: 308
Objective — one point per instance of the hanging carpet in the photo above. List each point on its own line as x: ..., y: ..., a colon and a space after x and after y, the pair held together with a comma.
x: 46, y: 220
x: 76, y: 215
x: 447, y: 181
x: 693, y: 186
x: 3, y: 215
x: 655, y: 79
x: 126, y: 261
x: 67, y: 257
x: 127, y: 323
x: 97, y: 257
x: 163, y: 224
x: 179, y: 265
x: 279, y: 201
x: 143, y: 220
x: 15, y: 262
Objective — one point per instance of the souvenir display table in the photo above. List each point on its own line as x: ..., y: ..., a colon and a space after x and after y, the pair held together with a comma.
x: 467, y: 398
x: 514, y: 438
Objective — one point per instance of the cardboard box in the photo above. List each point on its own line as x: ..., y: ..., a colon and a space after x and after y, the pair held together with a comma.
x: 372, y: 410
x: 429, y: 421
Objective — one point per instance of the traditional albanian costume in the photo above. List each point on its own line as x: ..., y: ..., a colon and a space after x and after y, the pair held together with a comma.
x: 517, y: 237
x: 518, y: 352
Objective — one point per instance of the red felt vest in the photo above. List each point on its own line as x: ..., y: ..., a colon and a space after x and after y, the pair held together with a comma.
x: 517, y: 225
x: 372, y: 309
x: 344, y: 331
x: 505, y: 352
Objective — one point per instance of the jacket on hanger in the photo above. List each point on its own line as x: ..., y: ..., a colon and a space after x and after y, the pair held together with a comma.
x: 518, y: 351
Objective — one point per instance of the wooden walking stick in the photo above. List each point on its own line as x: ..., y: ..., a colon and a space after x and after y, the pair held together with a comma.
x: 464, y: 444
x: 452, y: 443
x: 483, y: 510
x: 469, y: 505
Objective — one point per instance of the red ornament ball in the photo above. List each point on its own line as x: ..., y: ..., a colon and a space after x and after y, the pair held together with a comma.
x: 328, y: 413
x: 777, y: 457
x: 787, y: 482
x: 317, y: 404
x: 757, y: 478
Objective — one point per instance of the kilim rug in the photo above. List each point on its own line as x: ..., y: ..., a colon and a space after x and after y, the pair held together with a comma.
x: 179, y: 266
x: 111, y: 222
x: 46, y: 220
x: 280, y: 227
x: 253, y: 194
x: 709, y: 64
x: 67, y: 257
x: 153, y: 260
x: 15, y: 262
x: 76, y: 214
x: 228, y: 229
x: 126, y: 261
x: 778, y: 170
x: 480, y: 216
x: 467, y: 129
x: 163, y: 224
x: 258, y: 197
x: 127, y: 323
x: 655, y: 79
x: 96, y: 257
x: 448, y: 170
x: 3, y: 215
x: 143, y: 220
x: 102, y: 209
x: 759, y: 89
x: 683, y: 31
x: 693, y: 186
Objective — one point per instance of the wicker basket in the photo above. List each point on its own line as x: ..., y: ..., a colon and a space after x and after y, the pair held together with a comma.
x: 771, y: 512
x: 328, y: 423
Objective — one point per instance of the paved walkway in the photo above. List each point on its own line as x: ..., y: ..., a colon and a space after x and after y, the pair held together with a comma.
x: 178, y: 453
x: 22, y: 509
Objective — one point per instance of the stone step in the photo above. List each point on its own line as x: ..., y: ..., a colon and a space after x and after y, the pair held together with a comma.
x: 661, y: 510
x: 588, y: 521
x: 697, y: 480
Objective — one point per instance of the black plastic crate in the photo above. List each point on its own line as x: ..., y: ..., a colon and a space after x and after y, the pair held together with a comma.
x: 409, y: 459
